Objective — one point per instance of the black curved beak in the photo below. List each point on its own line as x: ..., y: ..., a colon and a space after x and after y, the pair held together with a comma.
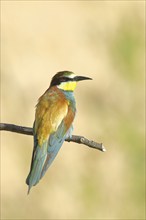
x: 79, y: 78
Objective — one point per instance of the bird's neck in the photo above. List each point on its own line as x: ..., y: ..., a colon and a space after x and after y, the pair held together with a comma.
x: 70, y: 97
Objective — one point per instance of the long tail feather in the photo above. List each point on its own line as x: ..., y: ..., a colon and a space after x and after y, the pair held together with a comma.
x: 38, y: 160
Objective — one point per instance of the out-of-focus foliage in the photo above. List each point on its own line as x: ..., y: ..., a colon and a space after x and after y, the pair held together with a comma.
x: 100, y: 39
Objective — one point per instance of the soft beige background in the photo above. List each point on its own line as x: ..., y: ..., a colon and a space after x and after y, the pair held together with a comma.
x: 100, y: 39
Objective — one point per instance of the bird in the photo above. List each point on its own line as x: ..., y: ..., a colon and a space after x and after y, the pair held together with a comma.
x: 54, y: 116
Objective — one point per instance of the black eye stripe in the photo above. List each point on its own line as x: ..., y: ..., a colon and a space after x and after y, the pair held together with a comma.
x: 65, y: 79
x: 60, y: 80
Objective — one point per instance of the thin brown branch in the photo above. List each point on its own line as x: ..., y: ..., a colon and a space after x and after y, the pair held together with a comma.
x: 74, y: 138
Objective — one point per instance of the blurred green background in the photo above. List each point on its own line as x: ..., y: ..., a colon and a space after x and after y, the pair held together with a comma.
x: 100, y: 39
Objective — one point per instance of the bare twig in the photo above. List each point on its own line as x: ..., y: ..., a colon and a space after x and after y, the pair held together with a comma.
x: 16, y: 128
x: 74, y: 138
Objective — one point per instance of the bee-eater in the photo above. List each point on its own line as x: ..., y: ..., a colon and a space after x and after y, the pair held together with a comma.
x: 54, y: 116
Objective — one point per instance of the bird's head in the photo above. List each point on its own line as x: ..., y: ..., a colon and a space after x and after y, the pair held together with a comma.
x: 67, y: 80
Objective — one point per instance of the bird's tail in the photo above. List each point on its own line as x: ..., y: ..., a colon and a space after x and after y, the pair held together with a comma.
x: 38, y: 160
x: 43, y: 156
x: 41, y: 160
x: 35, y: 174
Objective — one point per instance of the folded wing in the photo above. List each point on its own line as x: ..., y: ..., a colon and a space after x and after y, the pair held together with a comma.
x: 52, y: 124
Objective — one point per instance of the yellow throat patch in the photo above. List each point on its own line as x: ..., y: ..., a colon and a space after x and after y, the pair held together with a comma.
x: 67, y: 86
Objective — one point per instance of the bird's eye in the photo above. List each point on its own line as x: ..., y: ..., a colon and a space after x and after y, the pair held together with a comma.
x: 64, y: 79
